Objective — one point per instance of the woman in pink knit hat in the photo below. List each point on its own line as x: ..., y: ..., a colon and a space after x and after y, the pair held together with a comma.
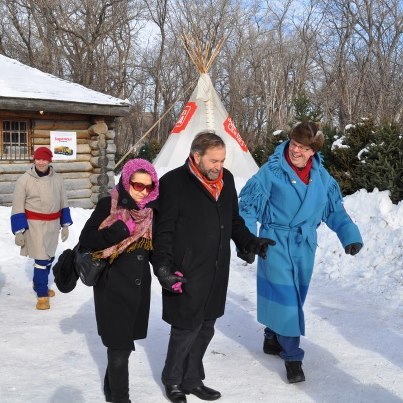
x: 121, y: 230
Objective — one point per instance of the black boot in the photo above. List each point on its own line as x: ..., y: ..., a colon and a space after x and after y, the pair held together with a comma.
x: 117, y: 376
x: 107, y: 389
x: 294, y: 371
x: 272, y: 346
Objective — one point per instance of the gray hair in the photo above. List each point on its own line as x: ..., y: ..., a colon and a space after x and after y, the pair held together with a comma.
x: 204, y: 140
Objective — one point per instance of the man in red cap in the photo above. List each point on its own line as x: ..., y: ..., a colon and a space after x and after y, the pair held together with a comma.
x: 39, y: 211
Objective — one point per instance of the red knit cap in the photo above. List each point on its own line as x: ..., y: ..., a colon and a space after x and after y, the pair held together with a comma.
x: 43, y: 153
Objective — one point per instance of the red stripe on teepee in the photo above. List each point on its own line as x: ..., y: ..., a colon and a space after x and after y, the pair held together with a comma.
x: 184, y: 118
x: 230, y: 128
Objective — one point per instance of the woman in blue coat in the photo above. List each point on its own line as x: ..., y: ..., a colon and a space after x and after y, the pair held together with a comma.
x: 290, y: 196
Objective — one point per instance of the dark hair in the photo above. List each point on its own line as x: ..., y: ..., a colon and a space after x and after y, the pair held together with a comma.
x: 308, y: 134
x: 205, y: 140
x: 139, y: 171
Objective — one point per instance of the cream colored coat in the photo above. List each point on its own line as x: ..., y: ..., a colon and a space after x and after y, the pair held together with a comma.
x: 46, y: 195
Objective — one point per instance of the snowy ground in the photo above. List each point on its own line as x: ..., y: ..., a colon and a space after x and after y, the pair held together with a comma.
x: 354, y: 319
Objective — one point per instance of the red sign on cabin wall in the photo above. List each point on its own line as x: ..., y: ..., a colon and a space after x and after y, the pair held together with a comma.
x: 184, y: 118
x: 230, y: 128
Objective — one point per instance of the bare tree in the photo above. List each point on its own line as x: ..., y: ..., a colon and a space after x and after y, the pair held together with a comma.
x: 360, y: 56
x: 88, y: 42
x: 346, y: 55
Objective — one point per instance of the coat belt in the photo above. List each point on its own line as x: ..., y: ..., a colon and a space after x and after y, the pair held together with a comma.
x: 33, y: 215
x: 303, y: 231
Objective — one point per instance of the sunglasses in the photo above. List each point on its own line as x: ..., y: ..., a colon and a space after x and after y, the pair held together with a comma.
x: 139, y: 187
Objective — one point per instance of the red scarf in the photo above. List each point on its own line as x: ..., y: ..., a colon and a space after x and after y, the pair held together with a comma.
x: 303, y: 173
x: 213, y: 186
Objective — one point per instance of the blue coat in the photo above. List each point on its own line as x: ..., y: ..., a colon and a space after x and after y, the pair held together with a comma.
x: 289, y: 212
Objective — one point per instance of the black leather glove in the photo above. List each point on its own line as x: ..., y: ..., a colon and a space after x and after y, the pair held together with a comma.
x: 168, y: 279
x: 353, y: 248
x: 247, y: 257
x: 258, y: 246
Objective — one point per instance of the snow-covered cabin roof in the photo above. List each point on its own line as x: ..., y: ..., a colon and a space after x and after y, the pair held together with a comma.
x: 25, y: 88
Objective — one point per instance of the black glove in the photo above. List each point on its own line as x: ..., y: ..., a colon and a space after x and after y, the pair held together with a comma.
x: 247, y: 257
x: 258, y: 246
x: 353, y: 248
x: 167, y: 279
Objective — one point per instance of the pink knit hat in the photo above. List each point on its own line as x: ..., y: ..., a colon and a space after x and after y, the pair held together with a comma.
x: 43, y: 153
x: 135, y: 165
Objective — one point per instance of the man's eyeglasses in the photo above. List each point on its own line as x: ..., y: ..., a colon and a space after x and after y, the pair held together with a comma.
x: 139, y: 187
x: 299, y: 147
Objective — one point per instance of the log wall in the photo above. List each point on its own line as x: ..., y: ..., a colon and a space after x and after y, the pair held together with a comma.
x: 87, y: 178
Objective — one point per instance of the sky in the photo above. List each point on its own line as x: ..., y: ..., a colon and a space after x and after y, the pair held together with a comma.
x: 353, y: 343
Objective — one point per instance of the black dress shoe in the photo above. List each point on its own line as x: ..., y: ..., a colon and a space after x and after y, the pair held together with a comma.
x: 204, y: 393
x: 175, y: 394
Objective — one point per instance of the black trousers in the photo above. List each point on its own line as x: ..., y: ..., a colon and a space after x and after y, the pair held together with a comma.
x: 116, y: 382
x: 184, y: 361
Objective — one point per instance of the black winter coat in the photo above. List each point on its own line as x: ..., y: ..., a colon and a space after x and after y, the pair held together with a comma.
x: 193, y: 234
x: 122, y: 294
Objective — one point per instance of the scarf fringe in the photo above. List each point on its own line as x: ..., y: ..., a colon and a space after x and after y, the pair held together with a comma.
x: 142, y: 243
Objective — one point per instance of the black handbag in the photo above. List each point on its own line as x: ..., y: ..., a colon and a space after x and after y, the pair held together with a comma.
x: 87, y: 267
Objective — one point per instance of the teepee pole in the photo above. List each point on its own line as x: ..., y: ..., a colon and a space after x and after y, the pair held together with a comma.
x: 201, y: 58
x: 152, y: 127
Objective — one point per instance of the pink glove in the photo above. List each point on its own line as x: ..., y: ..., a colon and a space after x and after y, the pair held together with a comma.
x: 177, y: 287
x: 131, y: 225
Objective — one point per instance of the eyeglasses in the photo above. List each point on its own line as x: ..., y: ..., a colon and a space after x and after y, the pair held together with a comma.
x: 298, y: 147
x: 139, y: 187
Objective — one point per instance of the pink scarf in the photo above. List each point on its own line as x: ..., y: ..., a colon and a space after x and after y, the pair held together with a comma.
x: 141, y: 237
x: 142, y: 219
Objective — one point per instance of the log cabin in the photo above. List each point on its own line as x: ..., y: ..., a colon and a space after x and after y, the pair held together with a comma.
x: 39, y: 109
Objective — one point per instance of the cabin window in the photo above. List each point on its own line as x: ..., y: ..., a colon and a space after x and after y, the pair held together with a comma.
x: 14, y: 141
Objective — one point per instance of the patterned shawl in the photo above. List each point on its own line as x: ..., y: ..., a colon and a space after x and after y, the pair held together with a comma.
x: 143, y: 218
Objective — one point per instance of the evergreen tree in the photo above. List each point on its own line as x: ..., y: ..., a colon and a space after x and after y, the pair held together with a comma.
x: 144, y: 152
x: 331, y: 134
x: 346, y: 156
x: 305, y: 110
x: 262, y: 152
x: 381, y: 163
x: 149, y: 150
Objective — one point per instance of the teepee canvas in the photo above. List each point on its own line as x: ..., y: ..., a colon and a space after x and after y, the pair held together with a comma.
x: 204, y: 110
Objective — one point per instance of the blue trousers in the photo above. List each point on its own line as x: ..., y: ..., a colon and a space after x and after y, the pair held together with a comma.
x: 290, y: 345
x: 41, y: 275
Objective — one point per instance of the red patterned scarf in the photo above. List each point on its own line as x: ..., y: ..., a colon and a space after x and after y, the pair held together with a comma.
x: 142, y: 236
x: 303, y: 173
x: 213, y: 186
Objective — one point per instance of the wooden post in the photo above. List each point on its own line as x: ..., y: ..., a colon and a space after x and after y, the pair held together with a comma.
x: 100, y: 129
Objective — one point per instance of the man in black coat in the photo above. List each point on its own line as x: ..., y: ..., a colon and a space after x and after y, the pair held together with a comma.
x: 198, y: 218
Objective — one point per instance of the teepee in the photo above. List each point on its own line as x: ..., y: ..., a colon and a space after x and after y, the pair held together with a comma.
x: 205, y: 111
